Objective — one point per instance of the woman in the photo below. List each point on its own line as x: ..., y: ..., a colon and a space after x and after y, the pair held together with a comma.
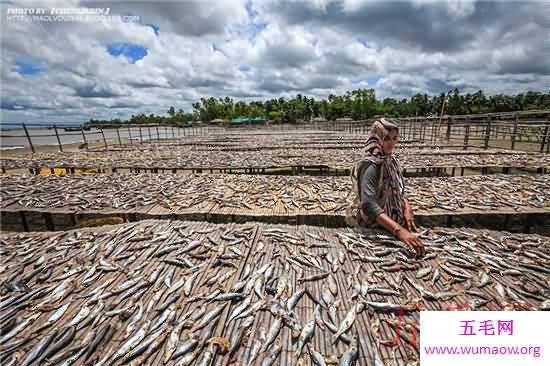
x: 380, y: 190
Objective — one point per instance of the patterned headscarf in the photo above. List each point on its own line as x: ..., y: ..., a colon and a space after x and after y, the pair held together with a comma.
x: 391, y: 188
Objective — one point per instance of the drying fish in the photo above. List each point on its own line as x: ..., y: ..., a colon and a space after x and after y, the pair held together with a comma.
x: 316, y: 357
x: 255, y: 349
x: 40, y: 347
x: 346, y: 323
x: 55, y: 316
x: 305, y: 336
x: 314, y: 277
x: 107, y: 297
x: 423, y: 272
x: 273, y: 355
x: 293, y: 300
x: 272, y: 333
x: 208, y: 317
x: 350, y: 356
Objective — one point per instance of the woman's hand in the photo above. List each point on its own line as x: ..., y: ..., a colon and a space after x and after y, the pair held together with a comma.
x: 412, y: 241
x: 409, y: 217
x: 401, y: 233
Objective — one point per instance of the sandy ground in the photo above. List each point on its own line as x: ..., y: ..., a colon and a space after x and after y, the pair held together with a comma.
x: 505, y: 144
x: 26, y: 151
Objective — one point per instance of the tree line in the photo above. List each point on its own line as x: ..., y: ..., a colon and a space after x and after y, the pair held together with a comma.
x: 358, y: 104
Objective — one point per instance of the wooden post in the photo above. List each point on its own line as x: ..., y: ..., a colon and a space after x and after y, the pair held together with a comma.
x: 140, y: 136
x: 83, y: 136
x: 443, y: 105
x: 29, y: 138
x: 24, y: 221
x: 104, y: 140
x: 466, y: 133
x: 545, y: 138
x: 58, y: 139
x: 149, y: 131
x: 49, y: 221
x: 487, y: 133
x: 158, y: 135
x: 514, y: 131
x: 173, y: 134
x: 423, y: 131
x: 448, y: 134
x: 118, y: 135
x: 130, y: 136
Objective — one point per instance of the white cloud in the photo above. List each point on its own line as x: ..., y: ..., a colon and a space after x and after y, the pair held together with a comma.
x: 313, y: 48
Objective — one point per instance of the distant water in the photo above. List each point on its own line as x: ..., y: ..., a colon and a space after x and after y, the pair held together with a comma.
x: 16, y: 139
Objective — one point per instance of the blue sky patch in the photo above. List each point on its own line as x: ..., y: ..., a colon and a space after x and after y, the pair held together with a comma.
x: 133, y: 52
x: 437, y: 86
x: 259, y: 26
x: 27, y: 66
x: 244, y: 67
x: 373, y: 79
x: 255, y: 25
x: 215, y: 48
x: 363, y: 41
x: 250, y: 10
x: 155, y: 28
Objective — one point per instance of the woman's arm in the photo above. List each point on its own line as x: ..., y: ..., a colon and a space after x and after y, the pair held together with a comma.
x: 369, y: 185
x: 401, y: 233
x: 409, y: 216
x: 369, y: 182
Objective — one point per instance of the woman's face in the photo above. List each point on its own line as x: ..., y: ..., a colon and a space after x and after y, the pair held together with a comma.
x: 390, y: 141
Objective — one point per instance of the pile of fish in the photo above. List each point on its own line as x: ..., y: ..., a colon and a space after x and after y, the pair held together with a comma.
x: 267, y: 138
x: 180, y: 293
x: 254, y: 194
x: 480, y: 192
x: 176, y: 193
x: 272, y: 139
x: 194, y: 157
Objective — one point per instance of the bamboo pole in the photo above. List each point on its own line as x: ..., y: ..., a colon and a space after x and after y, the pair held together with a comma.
x: 83, y: 136
x: 104, y: 140
x: 514, y: 131
x: 58, y: 139
x: 466, y: 133
x: 118, y: 135
x: 487, y: 133
x: 441, y: 114
x: 544, y: 138
x: 29, y: 138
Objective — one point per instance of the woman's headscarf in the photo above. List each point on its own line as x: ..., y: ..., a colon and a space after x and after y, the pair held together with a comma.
x: 391, y: 187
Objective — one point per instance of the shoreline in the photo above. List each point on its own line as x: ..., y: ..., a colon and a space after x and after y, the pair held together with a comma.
x: 16, y: 151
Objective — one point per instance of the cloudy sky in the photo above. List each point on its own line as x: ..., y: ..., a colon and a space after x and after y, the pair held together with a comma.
x: 173, y: 53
